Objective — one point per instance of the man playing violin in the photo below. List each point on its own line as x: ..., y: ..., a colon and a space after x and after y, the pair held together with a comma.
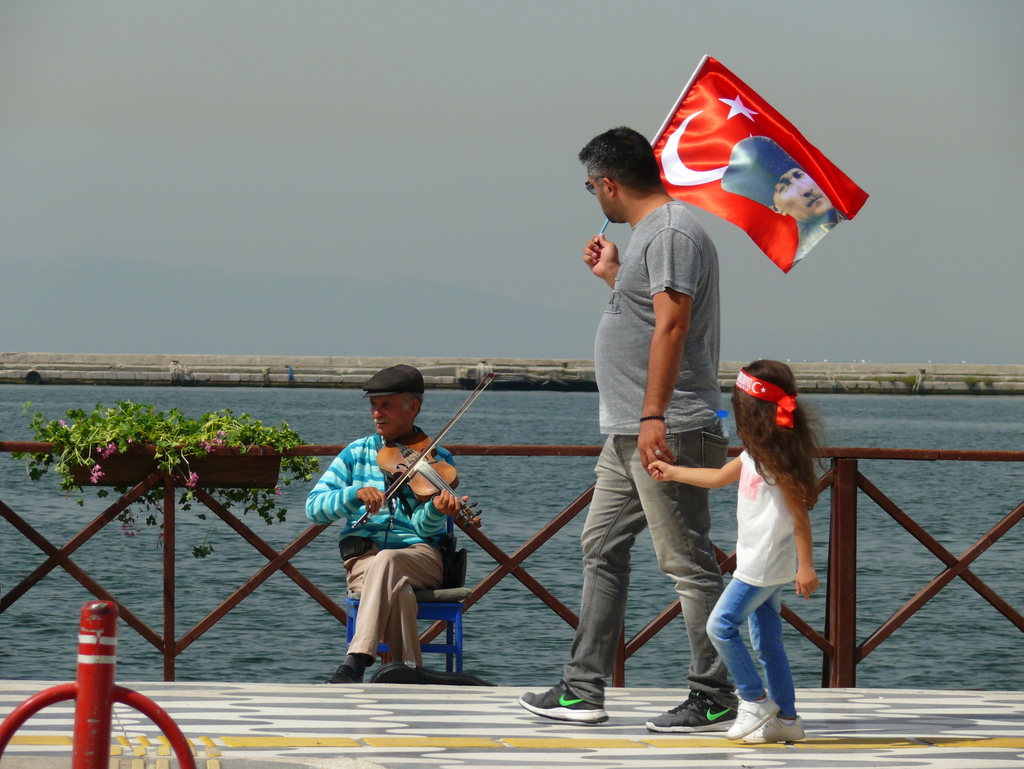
x: 394, y: 551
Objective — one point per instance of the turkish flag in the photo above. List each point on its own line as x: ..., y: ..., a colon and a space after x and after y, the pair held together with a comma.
x: 725, y: 149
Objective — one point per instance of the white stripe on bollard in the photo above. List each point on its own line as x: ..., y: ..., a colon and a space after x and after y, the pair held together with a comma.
x: 92, y: 639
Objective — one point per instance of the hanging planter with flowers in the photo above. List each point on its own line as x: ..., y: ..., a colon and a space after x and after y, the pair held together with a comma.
x: 237, y: 458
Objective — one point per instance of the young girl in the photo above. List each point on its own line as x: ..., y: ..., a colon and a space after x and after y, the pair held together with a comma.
x: 777, y: 487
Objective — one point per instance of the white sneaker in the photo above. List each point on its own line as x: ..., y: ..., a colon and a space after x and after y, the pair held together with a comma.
x: 750, y: 716
x: 773, y: 730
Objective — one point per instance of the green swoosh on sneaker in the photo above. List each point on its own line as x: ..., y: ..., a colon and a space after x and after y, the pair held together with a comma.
x: 715, y: 716
x: 566, y: 703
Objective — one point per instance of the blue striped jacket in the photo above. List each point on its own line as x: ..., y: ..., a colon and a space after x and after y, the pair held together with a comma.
x: 334, y: 499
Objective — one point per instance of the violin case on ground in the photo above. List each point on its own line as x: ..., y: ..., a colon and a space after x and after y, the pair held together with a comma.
x: 401, y: 673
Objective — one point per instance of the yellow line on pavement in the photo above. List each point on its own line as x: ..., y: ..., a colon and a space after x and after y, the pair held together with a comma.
x: 290, y: 742
x: 897, y: 743
x: 858, y: 743
x: 570, y: 743
x: 700, y: 742
x: 976, y: 742
x: 431, y: 742
x: 41, y: 740
x: 573, y: 743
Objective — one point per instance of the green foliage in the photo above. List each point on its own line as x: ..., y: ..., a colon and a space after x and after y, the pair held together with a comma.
x: 83, y: 439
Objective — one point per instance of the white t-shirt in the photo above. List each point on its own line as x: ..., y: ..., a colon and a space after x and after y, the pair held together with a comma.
x: 766, y: 545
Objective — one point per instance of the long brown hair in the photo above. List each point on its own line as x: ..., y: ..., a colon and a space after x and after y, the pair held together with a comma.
x: 783, y: 456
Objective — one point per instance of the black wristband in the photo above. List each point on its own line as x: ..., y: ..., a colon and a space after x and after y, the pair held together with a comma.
x: 658, y: 417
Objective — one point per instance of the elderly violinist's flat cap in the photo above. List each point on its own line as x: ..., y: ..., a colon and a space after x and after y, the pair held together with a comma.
x: 394, y: 380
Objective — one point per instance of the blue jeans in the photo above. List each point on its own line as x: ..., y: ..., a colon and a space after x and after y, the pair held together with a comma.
x: 626, y: 501
x: 759, y: 607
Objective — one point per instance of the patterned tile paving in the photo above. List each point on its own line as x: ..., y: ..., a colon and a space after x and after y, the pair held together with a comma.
x: 409, y: 727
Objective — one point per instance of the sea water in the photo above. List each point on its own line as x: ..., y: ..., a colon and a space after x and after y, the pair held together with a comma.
x: 279, y: 634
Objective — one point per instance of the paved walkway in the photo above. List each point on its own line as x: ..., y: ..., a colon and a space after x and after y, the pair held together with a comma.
x: 261, y: 726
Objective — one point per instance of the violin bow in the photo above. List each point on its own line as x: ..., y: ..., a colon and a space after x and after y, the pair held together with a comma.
x: 414, y: 466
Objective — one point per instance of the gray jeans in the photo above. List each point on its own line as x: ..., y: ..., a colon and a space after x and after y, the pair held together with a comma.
x: 627, y: 500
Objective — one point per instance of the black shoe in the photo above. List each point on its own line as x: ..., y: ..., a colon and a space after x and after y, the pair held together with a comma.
x: 562, y: 704
x: 699, y: 713
x: 345, y: 675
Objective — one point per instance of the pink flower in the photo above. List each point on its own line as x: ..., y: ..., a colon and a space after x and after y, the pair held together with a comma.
x: 110, y: 449
x: 63, y: 423
x: 193, y: 479
x: 277, y: 490
x: 97, y: 473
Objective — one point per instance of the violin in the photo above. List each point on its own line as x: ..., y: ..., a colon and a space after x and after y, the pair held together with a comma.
x: 429, y: 476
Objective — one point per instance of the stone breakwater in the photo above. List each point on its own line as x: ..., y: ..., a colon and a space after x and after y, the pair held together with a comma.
x: 456, y: 373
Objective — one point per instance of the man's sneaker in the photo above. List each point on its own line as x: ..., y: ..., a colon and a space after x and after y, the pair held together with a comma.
x: 562, y: 704
x: 699, y: 713
x: 775, y: 730
x: 751, y: 715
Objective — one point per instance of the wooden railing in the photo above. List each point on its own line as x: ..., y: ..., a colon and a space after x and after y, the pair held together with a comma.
x: 837, y: 640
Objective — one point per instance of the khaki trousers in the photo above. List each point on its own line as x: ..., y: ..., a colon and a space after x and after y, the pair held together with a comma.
x: 387, y: 608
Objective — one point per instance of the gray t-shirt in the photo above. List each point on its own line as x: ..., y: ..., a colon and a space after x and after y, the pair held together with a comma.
x: 668, y: 249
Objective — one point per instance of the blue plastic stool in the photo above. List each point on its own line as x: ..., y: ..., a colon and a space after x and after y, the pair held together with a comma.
x: 449, y: 611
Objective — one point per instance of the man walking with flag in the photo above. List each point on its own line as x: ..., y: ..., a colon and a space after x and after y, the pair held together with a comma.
x: 656, y: 358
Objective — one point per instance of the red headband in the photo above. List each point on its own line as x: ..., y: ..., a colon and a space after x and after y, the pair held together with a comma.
x: 766, y: 391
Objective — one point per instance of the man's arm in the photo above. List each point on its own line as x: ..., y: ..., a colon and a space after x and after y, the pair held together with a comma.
x: 335, y: 496
x: 671, y: 323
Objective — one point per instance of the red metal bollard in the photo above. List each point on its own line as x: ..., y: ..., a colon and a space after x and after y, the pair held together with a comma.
x: 97, y: 658
x: 96, y: 694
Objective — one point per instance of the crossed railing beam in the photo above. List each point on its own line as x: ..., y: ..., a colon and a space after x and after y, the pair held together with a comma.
x: 62, y: 556
x: 955, y: 567
x: 167, y: 646
x: 513, y: 564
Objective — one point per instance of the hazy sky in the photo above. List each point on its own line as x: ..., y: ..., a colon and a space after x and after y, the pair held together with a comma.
x: 352, y: 178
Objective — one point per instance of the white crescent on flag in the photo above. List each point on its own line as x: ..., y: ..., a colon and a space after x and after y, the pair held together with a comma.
x: 676, y: 171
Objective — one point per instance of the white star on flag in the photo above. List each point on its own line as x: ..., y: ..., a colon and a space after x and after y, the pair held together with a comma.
x: 737, y: 107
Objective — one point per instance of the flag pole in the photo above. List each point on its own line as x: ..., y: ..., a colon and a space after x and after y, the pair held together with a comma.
x: 679, y: 101
x: 671, y: 112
